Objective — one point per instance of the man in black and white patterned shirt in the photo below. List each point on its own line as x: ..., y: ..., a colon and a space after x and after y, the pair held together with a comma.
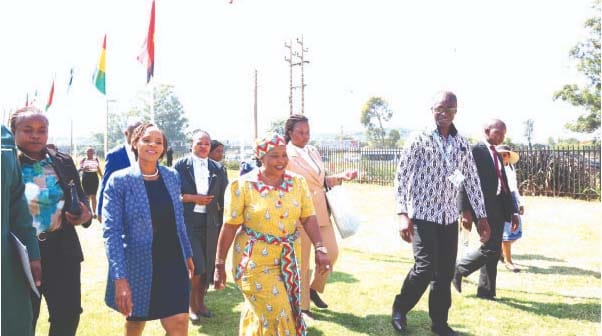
x: 433, y: 166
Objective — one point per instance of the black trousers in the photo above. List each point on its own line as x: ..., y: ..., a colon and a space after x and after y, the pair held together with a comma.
x: 61, y: 287
x: 435, y: 247
x: 485, y: 258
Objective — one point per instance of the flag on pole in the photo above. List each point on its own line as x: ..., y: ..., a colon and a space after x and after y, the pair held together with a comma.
x: 148, y: 47
x: 50, y: 96
x: 34, y: 100
x: 70, y: 80
x: 100, y: 73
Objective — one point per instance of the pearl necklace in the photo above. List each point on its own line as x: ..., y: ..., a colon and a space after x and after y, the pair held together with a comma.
x: 155, y: 174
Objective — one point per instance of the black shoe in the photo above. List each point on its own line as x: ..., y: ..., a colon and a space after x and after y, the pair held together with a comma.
x: 207, y: 314
x: 315, y: 298
x: 443, y: 330
x: 457, y: 281
x: 399, y: 322
x: 486, y: 297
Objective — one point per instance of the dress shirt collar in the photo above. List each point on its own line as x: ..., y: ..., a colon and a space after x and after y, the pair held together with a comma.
x: 453, y: 131
x: 202, y: 161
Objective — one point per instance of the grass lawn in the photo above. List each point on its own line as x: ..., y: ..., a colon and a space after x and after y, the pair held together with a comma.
x: 557, y: 293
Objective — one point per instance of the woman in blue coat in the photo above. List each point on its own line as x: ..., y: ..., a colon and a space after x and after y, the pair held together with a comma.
x: 150, y: 259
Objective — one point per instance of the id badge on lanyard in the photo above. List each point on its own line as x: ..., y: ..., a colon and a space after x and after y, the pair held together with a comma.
x: 456, y: 177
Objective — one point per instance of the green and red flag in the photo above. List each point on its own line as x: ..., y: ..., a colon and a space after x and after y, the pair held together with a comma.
x: 50, y: 96
x: 100, y: 73
x: 148, y: 48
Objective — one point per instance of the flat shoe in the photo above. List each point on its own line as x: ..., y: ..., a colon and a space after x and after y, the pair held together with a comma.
x: 315, y: 298
x: 512, y: 268
x: 194, y: 318
x: 205, y: 314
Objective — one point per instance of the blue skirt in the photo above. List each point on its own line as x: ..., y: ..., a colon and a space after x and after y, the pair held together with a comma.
x: 508, y: 235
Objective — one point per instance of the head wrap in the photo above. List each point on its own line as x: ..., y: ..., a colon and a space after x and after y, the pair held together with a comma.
x: 267, y: 143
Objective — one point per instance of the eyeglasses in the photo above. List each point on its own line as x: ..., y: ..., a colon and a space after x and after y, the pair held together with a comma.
x: 442, y: 110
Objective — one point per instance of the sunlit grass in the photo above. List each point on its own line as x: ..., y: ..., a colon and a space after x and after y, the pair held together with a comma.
x: 557, y: 293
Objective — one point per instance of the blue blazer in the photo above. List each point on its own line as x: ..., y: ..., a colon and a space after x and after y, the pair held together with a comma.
x: 128, y: 233
x: 116, y: 159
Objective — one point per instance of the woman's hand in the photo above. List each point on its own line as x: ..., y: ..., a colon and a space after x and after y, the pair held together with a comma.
x: 323, y: 263
x: 77, y: 220
x: 348, y: 175
x: 190, y: 267
x: 219, y: 279
x: 203, y: 199
x: 123, y: 297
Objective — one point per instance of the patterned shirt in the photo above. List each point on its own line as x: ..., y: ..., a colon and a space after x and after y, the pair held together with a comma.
x: 44, y: 194
x: 423, y: 188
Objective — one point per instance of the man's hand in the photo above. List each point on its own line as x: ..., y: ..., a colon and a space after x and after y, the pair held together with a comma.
x: 406, y: 229
x: 36, y: 271
x: 483, y: 229
x: 467, y: 220
x: 515, y: 220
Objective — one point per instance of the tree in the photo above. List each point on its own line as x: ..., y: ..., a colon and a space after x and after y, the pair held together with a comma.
x: 587, y: 54
x: 393, y: 138
x: 168, y: 114
x: 529, y: 130
x: 277, y: 125
x: 375, y: 112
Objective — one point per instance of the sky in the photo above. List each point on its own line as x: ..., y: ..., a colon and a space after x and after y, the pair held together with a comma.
x: 503, y: 59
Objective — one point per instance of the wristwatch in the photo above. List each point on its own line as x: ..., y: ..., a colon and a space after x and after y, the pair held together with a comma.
x: 322, y: 249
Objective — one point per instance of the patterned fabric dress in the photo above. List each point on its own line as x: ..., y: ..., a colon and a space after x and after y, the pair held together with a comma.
x: 266, y: 254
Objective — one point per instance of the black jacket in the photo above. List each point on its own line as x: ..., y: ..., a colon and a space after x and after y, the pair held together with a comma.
x: 498, y: 211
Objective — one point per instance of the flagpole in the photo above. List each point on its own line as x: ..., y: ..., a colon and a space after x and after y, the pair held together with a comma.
x: 106, y: 140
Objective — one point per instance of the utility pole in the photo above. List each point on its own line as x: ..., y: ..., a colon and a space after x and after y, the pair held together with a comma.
x: 302, y: 61
x: 290, y: 64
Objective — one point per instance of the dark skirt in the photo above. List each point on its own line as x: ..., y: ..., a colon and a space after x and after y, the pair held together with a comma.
x: 170, y: 289
x: 90, y: 183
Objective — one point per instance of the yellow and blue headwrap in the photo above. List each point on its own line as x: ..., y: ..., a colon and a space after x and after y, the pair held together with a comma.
x: 265, y: 144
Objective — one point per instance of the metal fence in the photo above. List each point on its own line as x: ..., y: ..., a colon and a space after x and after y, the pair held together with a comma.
x: 569, y: 172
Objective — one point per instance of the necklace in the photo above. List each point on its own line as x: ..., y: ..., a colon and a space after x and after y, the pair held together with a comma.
x: 153, y: 174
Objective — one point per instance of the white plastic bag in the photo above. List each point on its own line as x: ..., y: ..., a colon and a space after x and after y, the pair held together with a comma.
x: 342, y: 211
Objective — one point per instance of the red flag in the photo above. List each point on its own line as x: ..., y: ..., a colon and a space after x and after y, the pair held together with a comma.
x: 148, y: 52
x: 50, y: 96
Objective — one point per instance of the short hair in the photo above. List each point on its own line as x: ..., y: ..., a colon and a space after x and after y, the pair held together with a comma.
x: 214, y: 145
x: 197, y: 132
x: 23, y: 113
x: 444, y: 95
x: 139, y: 131
x: 290, y: 124
x: 491, y: 123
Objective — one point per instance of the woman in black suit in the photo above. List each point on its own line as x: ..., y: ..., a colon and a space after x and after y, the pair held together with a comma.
x: 204, y: 182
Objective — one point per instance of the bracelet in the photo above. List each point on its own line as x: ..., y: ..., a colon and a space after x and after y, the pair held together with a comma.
x: 220, y: 261
x: 318, y: 244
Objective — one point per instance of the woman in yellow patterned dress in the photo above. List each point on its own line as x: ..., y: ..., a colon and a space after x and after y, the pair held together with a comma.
x: 261, y: 212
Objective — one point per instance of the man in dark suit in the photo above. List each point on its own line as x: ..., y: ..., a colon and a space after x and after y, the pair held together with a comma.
x: 499, y: 208
x: 117, y: 158
x: 204, y: 183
